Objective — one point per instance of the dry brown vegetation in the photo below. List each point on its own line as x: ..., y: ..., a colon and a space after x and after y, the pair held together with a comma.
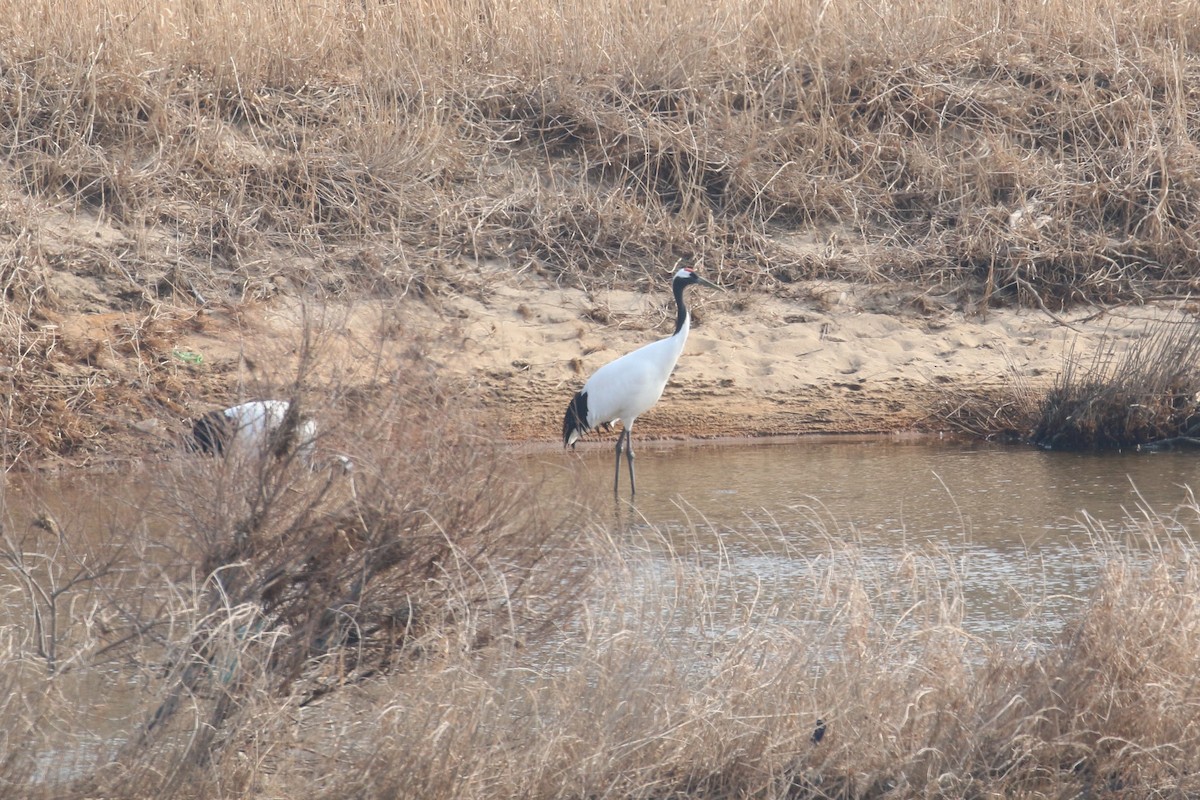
x: 1148, y: 398
x: 165, y: 161
x: 234, y: 588
x: 419, y: 628
x: 1143, y: 397
x: 422, y: 632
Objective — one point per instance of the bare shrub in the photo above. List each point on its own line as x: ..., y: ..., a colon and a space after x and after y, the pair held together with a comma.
x: 680, y: 683
x: 677, y: 674
x: 313, y: 581
x: 1148, y: 396
x: 243, y: 590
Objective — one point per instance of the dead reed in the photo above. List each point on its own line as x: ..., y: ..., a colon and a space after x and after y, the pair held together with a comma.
x: 259, y: 630
x: 161, y: 156
x: 256, y: 583
x: 678, y: 687
x: 1145, y: 397
x: 415, y: 629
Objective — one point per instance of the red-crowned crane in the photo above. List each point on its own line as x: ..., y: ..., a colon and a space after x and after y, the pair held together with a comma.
x: 624, y: 389
x: 252, y: 430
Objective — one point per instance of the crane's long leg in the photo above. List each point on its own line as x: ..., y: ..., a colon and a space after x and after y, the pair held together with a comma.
x: 617, y: 471
x: 629, y: 457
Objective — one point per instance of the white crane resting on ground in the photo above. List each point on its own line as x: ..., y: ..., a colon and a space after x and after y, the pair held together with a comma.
x: 258, y: 428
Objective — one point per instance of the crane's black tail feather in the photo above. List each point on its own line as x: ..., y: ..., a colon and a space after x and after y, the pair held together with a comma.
x: 575, y: 421
x: 210, y: 433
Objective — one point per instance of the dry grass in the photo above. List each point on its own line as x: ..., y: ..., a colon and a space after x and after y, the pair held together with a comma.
x: 256, y: 586
x: 1148, y: 397
x: 672, y: 676
x: 422, y: 632
x: 1033, y: 153
x: 1037, y: 148
x: 677, y: 686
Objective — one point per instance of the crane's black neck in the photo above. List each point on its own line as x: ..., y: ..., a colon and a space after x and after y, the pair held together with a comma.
x: 681, y: 312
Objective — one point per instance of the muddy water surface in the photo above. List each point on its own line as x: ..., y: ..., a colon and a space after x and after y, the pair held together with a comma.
x: 1016, y: 526
x: 1012, y: 528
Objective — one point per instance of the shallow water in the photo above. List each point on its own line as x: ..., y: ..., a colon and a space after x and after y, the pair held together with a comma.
x: 1016, y: 526
x: 1011, y: 530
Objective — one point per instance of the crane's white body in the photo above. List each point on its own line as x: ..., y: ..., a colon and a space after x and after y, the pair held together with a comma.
x: 245, y: 430
x: 622, y: 390
x: 254, y: 424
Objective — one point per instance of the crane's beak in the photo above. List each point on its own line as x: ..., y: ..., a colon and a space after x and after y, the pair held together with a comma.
x: 709, y: 283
